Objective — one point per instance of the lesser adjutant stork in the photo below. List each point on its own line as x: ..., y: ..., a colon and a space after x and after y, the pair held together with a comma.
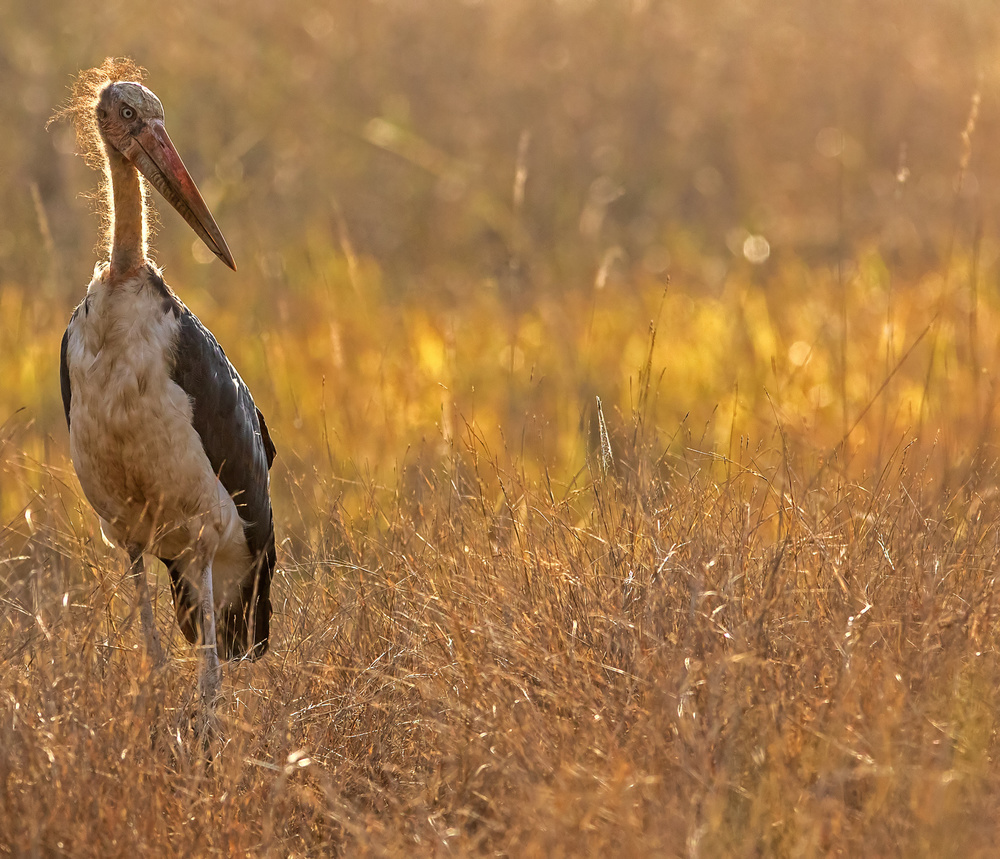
x: 167, y: 442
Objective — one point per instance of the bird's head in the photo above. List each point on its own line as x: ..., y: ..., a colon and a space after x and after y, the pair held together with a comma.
x: 130, y: 120
x: 122, y: 108
x: 112, y: 108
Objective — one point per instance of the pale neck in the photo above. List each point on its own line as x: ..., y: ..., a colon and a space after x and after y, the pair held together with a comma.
x: 128, y: 218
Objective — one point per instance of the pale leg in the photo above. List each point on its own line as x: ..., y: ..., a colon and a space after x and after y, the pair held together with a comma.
x: 210, y: 674
x: 138, y: 573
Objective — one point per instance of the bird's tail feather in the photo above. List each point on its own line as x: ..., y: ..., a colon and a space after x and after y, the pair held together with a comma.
x: 248, y: 616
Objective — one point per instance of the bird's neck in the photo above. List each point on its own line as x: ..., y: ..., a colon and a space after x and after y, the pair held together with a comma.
x: 127, y: 253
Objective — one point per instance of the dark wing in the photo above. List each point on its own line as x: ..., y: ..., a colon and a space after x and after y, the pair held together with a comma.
x: 67, y: 393
x: 266, y: 436
x: 239, y: 448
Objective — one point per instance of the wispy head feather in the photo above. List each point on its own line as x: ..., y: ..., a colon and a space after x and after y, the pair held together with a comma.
x: 81, y: 108
x: 83, y: 100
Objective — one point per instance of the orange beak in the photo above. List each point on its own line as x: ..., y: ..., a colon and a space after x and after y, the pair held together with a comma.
x: 154, y: 155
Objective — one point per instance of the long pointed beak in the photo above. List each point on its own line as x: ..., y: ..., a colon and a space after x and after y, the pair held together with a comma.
x: 154, y: 155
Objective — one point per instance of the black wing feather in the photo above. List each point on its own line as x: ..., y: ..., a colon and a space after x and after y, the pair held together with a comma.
x: 238, y: 446
x: 67, y: 393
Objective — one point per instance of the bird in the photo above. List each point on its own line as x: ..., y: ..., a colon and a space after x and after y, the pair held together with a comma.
x: 168, y: 445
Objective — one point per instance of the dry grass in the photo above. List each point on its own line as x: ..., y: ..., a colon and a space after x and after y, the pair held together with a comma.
x: 656, y: 663
x: 744, y: 606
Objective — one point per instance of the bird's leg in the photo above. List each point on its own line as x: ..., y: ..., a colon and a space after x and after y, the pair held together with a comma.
x: 210, y: 674
x: 138, y: 573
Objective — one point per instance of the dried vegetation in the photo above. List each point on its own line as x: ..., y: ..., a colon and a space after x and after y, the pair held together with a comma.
x: 742, y: 604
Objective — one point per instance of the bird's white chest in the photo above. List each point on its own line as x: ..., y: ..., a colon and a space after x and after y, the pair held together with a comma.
x: 138, y: 457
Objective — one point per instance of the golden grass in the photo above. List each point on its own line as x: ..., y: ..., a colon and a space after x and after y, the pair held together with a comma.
x: 573, y: 560
x: 689, y: 648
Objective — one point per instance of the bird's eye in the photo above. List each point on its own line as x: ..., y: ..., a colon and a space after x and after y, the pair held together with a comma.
x: 127, y: 113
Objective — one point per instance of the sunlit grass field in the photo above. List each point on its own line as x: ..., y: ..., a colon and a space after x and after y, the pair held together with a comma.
x: 632, y: 369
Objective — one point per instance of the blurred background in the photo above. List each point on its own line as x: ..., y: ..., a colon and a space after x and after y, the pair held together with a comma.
x: 639, y: 121
x: 462, y: 217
